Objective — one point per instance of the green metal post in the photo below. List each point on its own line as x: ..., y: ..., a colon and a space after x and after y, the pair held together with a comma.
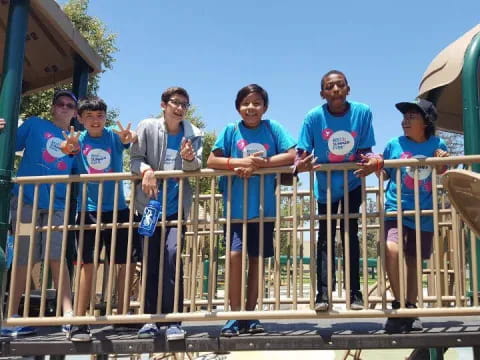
x: 471, y: 109
x: 10, y: 93
x: 436, y: 353
x: 79, y: 88
x: 471, y: 114
x: 80, y: 83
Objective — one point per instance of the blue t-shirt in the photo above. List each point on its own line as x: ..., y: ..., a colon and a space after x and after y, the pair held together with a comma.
x: 403, y: 148
x: 100, y: 155
x: 40, y: 139
x: 173, y: 148
x: 236, y: 140
x: 336, y: 139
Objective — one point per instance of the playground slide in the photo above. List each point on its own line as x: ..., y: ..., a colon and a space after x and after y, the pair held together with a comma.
x: 464, y: 192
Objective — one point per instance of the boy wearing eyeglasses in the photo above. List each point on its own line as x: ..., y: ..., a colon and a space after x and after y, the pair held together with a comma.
x: 167, y: 143
x: 40, y: 140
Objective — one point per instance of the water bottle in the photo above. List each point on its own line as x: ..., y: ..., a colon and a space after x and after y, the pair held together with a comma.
x: 9, y: 254
x: 150, y: 216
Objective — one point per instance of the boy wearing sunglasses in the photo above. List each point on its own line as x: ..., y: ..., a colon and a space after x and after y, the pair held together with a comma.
x: 40, y: 140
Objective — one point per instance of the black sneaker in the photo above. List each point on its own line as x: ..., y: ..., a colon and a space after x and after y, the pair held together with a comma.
x: 321, y: 303
x: 81, y: 334
x: 395, y: 325
x: 414, y: 323
x: 356, y: 300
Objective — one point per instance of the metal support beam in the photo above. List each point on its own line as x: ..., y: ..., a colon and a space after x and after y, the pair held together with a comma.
x: 79, y: 88
x: 471, y: 116
x: 10, y: 93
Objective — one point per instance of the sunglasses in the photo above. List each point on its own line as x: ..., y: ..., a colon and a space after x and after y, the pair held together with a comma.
x: 70, y: 106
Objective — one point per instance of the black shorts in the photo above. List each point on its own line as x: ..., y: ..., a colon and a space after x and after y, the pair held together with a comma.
x: 106, y: 238
x: 253, y: 237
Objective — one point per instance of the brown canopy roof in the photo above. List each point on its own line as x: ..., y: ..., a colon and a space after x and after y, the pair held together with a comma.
x: 444, y: 72
x: 51, y: 45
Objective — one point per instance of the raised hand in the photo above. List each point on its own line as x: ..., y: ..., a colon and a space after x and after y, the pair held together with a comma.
x: 126, y: 135
x: 186, y: 150
x: 71, y: 144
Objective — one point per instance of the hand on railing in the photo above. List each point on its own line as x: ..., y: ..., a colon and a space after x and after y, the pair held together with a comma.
x: 441, y: 153
x: 369, y: 164
x: 304, y: 162
x: 3, y: 123
x: 149, y: 184
x: 126, y: 135
x: 71, y: 145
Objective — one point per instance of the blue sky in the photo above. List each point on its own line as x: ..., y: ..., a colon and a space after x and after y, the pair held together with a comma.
x: 213, y: 48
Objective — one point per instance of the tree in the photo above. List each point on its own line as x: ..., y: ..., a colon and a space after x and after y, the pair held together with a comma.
x: 99, y: 38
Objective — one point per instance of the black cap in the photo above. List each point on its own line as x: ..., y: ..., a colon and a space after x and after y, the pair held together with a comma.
x: 425, y: 107
x: 68, y: 93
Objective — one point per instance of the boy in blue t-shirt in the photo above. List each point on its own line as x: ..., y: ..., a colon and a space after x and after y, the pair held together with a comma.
x: 99, y: 150
x: 418, y: 142
x: 337, y: 131
x: 243, y: 148
x: 40, y: 141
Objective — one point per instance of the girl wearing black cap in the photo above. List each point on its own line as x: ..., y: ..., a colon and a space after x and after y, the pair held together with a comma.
x: 419, y: 141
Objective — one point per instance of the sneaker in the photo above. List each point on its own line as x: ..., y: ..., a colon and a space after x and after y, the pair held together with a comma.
x: 230, y: 329
x: 67, y: 328
x: 356, y: 300
x: 148, y: 331
x: 413, y: 324
x: 81, y: 334
x: 321, y: 303
x: 13, y: 331
x: 395, y: 325
x: 174, y: 332
x: 254, y: 327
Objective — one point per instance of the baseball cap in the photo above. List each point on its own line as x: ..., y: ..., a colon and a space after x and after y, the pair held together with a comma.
x: 425, y: 107
x: 68, y: 93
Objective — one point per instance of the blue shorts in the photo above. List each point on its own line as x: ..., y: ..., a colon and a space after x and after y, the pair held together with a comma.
x: 253, y: 234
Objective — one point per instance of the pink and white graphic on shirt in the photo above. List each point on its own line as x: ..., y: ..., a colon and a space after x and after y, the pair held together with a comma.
x: 52, y: 152
x: 340, y: 144
x: 424, y: 172
x: 251, y: 148
x: 98, y: 160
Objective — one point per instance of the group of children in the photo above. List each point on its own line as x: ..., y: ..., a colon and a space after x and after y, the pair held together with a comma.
x: 337, y: 131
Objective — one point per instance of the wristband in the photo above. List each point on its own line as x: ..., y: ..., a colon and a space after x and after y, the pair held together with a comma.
x: 229, y: 167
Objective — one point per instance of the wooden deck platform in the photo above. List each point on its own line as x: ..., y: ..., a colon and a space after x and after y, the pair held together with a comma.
x: 281, y: 335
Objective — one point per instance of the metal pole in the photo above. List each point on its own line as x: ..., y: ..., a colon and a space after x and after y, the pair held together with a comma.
x: 79, y: 88
x: 10, y: 93
x: 471, y: 113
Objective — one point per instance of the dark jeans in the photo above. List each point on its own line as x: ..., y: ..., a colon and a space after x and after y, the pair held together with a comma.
x: 354, y: 202
x: 170, y: 257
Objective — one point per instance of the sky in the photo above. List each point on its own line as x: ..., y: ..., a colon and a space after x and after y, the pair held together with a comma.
x: 214, y: 48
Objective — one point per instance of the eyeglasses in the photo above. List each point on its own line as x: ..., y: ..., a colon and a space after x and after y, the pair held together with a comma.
x: 70, y: 106
x: 184, y: 105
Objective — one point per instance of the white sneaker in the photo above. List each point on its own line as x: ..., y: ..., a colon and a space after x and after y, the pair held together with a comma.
x: 175, y: 332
